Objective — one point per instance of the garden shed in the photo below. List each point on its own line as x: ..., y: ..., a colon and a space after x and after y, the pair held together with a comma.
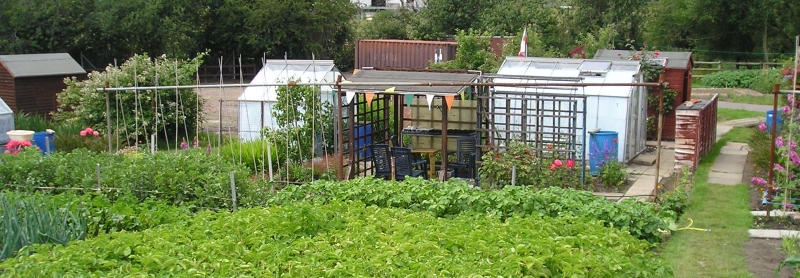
x: 30, y: 82
x: 256, y: 102
x: 557, y: 114
x: 678, y: 72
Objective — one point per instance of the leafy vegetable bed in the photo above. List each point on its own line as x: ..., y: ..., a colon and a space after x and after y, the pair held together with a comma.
x: 452, y: 198
x: 343, y: 239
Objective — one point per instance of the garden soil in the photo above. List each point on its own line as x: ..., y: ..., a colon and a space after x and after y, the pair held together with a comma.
x: 763, y: 257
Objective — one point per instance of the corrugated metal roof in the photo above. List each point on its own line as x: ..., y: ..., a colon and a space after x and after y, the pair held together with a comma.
x: 675, y: 60
x: 543, y: 70
x: 49, y: 64
x: 410, y: 76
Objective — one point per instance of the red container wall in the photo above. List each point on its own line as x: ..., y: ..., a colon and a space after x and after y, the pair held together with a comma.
x: 401, y: 53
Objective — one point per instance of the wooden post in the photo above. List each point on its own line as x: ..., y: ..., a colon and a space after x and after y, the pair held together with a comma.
x: 770, y: 176
x: 661, y: 79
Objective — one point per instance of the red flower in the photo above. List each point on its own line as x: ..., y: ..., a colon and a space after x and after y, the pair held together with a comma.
x: 570, y: 163
x: 638, y: 56
x: 657, y: 52
x: 557, y: 163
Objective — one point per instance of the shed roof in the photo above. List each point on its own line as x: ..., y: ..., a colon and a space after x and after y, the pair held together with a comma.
x: 410, y: 76
x: 566, y: 70
x: 48, y: 64
x: 675, y: 60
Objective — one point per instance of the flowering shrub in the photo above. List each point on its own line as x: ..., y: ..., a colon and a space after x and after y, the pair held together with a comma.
x: 787, y: 161
x: 496, y: 170
x: 15, y: 146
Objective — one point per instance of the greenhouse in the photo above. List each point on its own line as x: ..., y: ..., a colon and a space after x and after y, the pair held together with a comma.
x: 557, y: 114
x: 256, y: 102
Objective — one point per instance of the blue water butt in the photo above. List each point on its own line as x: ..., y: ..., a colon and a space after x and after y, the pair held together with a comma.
x: 363, y: 136
x: 770, y: 113
x: 602, y: 146
x: 44, y: 141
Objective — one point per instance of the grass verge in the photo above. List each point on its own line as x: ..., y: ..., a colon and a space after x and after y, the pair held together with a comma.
x: 721, y: 208
x: 725, y: 114
x: 750, y: 99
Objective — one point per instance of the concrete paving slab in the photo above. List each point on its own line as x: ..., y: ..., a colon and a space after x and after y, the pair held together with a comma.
x: 771, y: 213
x: 724, y: 178
x: 734, y: 150
x: 777, y: 234
x: 644, y: 159
x: 729, y: 163
x: 639, y: 198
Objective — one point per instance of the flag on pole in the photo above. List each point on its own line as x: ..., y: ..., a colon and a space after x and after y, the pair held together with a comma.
x: 523, y: 48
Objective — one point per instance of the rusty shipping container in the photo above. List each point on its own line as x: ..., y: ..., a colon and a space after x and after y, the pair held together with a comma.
x: 401, y: 53
x: 497, y: 43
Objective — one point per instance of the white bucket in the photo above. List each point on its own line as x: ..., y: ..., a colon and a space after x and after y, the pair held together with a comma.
x: 20, y: 135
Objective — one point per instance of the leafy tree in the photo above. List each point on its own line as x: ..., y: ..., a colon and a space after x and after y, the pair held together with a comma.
x: 145, y: 111
x: 387, y: 25
x: 472, y: 53
x: 445, y: 17
x: 536, y: 46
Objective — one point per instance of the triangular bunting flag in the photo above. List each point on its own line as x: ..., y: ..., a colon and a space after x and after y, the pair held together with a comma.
x: 389, y: 91
x: 369, y: 96
x: 409, y: 98
x: 349, y: 96
x: 449, y: 101
x: 462, y: 95
x: 430, y: 100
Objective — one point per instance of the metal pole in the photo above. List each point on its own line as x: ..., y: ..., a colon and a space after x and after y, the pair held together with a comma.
x: 391, y: 84
x: 233, y: 190
x: 775, y: 90
x: 108, y: 119
x: 514, y: 175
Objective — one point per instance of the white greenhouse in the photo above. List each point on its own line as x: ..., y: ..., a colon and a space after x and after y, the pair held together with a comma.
x: 621, y: 109
x: 256, y: 102
x: 6, y: 122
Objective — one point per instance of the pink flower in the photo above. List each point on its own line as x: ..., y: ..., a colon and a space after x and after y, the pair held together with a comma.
x: 792, y: 145
x: 779, y: 167
x: 638, y: 56
x: 89, y: 130
x: 570, y: 163
x: 657, y: 52
x: 196, y: 142
x: 789, y: 98
x: 516, y: 157
x: 557, y: 163
x: 758, y: 181
x: 7, y: 152
x: 787, y: 108
x: 83, y: 133
x: 184, y: 145
x: 95, y: 133
x: 552, y: 167
x: 208, y: 149
x: 762, y: 126
x: 779, y: 142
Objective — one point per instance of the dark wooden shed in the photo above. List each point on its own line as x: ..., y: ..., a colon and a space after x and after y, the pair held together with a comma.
x: 678, y: 72
x: 29, y: 82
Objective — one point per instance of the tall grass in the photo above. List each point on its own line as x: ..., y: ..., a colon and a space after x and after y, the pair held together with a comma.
x: 27, y: 121
x: 36, y: 219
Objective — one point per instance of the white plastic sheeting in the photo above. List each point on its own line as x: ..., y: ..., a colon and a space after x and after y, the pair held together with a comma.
x: 6, y: 121
x: 256, y: 103
x: 610, y: 108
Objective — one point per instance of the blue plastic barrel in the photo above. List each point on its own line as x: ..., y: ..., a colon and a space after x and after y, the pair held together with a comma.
x: 363, y: 138
x: 44, y: 141
x: 602, y: 146
x: 770, y: 113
